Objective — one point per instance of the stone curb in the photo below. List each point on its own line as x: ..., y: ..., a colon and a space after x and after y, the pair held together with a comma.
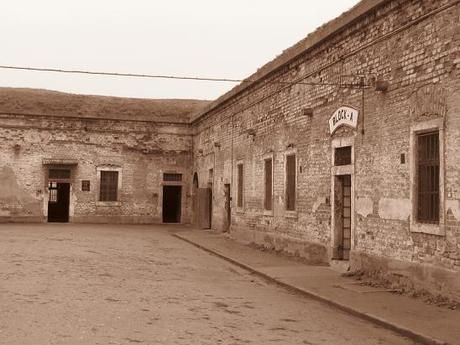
x: 421, y: 338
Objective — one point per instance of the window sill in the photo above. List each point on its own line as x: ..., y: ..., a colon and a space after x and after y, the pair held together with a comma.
x: 108, y: 203
x: 291, y: 214
x: 268, y: 213
x: 430, y: 229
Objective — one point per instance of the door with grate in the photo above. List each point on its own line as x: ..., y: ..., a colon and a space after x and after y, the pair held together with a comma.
x: 345, y: 240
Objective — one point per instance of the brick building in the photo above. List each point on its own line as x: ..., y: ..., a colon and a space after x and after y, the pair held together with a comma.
x: 94, y: 159
x: 342, y: 150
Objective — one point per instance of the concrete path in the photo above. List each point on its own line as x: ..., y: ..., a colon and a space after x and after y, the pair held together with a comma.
x: 408, y: 316
x: 106, y: 284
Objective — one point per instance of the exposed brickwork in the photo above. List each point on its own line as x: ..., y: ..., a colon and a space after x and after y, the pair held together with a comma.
x: 402, y: 42
x: 411, y: 44
x: 143, y: 151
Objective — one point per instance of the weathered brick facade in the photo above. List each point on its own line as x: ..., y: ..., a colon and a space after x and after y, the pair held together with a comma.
x: 396, y: 62
x: 36, y: 135
x: 285, y: 108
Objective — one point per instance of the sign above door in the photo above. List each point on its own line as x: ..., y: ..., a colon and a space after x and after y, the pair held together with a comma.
x: 344, y: 116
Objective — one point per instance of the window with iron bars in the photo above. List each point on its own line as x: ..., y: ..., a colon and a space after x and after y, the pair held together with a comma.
x: 268, y: 202
x: 172, y: 177
x: 240, y: 190
x: 109, y: 186
x: 291, y: 168
x: 342, y: 155
x: 53, y: 192
x: 59, y: 173
x: 85, y: 186
x: 428, y: 177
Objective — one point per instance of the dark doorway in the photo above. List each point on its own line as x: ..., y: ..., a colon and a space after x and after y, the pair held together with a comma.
x: 210, y: 205
x: 195, y: 200
x: 228, y: 210
x: 58, y: 203
x: 210, y: 185
x: 172, y: 196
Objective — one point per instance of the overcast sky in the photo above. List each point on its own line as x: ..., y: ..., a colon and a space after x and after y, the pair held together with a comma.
x: 206, y: 38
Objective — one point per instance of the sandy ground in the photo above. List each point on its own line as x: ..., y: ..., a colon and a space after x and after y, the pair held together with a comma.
x: 86, y: 284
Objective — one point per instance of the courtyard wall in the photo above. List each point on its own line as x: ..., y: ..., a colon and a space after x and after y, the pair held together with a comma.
x: 39, y: 135
x: 285, y: 108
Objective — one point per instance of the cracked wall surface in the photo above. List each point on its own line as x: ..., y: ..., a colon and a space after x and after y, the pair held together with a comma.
x: 419, y: 60
x: 412, y: 45
x: 142, y: 150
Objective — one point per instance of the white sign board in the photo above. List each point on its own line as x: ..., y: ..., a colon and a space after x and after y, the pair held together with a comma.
x: 343, y: 116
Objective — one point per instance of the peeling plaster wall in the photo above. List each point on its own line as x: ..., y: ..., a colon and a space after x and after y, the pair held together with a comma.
x: 453, y: 206
x: 419, y: 59
x: 143, y: 150
x: 395, y: 209
x: 364, y: 206
x: 420, y: 63
x: 16, y: 200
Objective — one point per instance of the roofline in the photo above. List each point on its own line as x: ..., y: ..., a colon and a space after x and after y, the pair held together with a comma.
x: 179, y: 111
x: 321, y: 34
x: 91, y: 118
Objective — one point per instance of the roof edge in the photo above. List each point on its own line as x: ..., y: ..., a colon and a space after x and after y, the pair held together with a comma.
x: 322, y: 33
x: 52, y: 103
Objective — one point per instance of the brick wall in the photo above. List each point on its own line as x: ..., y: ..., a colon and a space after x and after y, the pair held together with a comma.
x: 412, y: 45
x: 143, y: 150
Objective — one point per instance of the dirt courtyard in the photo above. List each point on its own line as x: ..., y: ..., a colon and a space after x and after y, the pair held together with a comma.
x: 105, y: 284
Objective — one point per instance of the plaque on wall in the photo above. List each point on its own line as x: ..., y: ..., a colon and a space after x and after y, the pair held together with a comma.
x: 344, y: 116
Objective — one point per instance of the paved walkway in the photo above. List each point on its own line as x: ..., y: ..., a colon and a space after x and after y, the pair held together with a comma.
x: 425, y: 323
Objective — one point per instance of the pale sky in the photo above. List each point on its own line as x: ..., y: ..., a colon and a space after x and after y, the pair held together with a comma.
x: 205, y: 38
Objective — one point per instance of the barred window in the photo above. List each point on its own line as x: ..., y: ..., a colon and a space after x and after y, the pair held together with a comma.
x: 240, y: 190
x: 85, y: 186
x: 172, y: 177
x: 342, y: 155
x: 428, y: 177
x: 53, y: 192
x: 109, y: 186
x: 59, y: 174
x: 291, y: 182
x: 268, y: 202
